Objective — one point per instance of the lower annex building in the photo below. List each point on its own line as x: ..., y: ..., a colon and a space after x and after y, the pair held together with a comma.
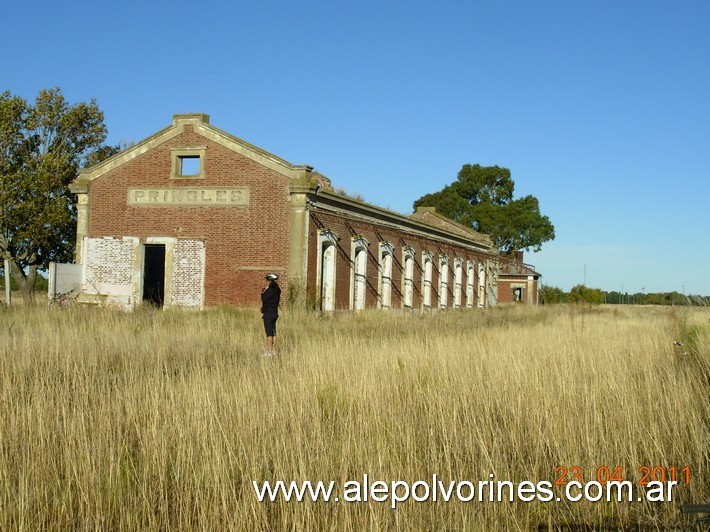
x: 194, y: 217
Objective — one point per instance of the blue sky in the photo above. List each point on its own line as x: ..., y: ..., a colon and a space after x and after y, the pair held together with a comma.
x: 600, y: 109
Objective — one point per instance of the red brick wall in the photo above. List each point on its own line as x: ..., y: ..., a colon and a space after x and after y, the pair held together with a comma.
x: 236, y: 238
x: 347, y: 228
x: 505, y: 290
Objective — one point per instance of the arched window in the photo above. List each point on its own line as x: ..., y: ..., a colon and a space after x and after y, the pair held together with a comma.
x: 492, y: 284
x: 458, y: 282
x: 358, y: 288
x: 426, y: 280
x: 481, y: 284
x: 408, y: 279
x: 385, y: 275
x: 327, y: 242
x: 443, y: 281
x: 470, y: 272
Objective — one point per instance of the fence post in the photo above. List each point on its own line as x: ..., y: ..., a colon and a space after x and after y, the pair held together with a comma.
x: 7, y: 282
x: 51, y: 281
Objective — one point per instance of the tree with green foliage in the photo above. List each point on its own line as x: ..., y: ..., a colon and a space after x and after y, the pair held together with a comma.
x: 551, y: 294
x: 42, y: 146
x: 584, y: 294
x: 482, y: 198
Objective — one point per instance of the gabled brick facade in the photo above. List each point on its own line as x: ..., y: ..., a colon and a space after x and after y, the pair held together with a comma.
x: 195, y: 217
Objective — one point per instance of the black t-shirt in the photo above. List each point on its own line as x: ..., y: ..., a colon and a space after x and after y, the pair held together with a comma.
x: 270, y: 299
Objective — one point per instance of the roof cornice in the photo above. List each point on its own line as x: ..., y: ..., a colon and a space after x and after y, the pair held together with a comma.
x: 330, y: 201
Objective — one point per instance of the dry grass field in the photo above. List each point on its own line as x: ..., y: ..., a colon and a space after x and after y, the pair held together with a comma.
x: 162, y: 420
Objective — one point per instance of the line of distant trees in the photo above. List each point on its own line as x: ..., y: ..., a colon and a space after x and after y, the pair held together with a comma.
x: 585, y: 294
x: 547, y: 295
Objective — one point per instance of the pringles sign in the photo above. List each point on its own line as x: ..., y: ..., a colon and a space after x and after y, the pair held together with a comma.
x: 188, y: 197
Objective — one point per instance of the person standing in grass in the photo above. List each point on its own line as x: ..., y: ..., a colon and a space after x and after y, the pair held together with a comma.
x: 270, y: 298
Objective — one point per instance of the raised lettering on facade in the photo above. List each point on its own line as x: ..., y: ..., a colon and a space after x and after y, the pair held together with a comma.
x: 203, y: 196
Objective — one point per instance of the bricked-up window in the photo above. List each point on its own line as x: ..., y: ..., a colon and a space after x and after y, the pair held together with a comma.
x: 358, y: 286
x: 458, y: 282
x: 426, y: 281
x: 327, y: 252
x: 470, y: 272
x: 492, y: 284
x: 189, y: 162
x: 385, y: 275
x: 327, y: 285
x: 481, y: 284
x: 443, y: 281
x: 408, y: 288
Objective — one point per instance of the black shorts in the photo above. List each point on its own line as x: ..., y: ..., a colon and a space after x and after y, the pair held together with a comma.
x: 270, y: 324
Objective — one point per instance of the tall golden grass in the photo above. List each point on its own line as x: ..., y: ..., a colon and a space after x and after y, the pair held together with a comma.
x: 162, y: 420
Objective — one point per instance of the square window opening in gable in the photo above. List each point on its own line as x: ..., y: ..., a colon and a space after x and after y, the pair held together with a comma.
x: 189, y: 162
x: 190, y: 165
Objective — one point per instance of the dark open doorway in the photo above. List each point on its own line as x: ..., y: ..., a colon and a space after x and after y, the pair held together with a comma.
x: 154, y: 274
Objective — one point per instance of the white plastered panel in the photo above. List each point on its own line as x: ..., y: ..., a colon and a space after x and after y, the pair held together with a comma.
x: 189, y: 274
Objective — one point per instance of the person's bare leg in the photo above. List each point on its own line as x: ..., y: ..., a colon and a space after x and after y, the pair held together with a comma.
x: 270, y: 345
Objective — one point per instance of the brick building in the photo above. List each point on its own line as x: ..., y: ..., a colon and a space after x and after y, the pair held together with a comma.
x: 518, y: 282
x: 193, y: 216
